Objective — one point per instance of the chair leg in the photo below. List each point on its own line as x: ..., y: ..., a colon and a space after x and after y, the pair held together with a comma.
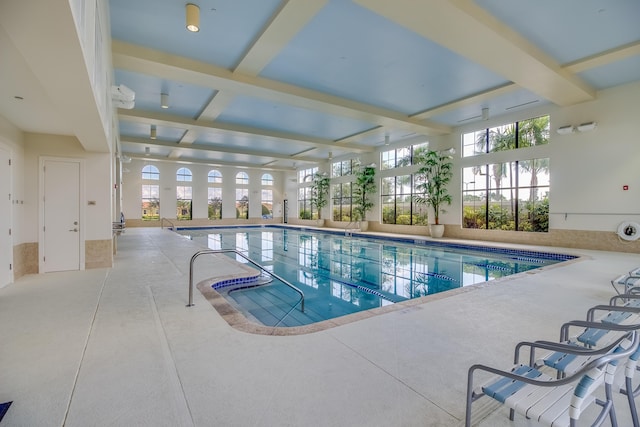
x: 632, y: 403
x: 612, y: 411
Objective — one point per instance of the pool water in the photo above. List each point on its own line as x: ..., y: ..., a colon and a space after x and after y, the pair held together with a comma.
x: 340, y: 274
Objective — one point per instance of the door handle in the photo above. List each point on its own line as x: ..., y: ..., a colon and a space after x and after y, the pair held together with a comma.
x: 75, y: 230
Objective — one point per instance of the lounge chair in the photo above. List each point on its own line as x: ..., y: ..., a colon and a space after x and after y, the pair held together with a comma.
x: 625, y: 282
x: 554, y: 401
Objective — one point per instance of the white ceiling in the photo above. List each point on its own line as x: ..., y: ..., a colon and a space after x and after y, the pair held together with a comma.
x: 273, y: 83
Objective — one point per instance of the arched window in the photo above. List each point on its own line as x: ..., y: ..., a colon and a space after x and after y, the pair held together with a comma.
x: 242, y: 178
x: 184, y: 175
x: 150, y: 172
x: 267, y: 179
x: 184, y: 195
x: 215, y: 177
x: 150, y: 200
x: 214, y: 194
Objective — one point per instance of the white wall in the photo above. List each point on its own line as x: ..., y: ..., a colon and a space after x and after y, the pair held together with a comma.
x: 97, y: 183
x: 12, y: 139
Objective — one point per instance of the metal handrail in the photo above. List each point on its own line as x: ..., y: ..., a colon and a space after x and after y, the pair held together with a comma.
x: 348, y: 230
x: 162, y: 220
x: 220, y: 251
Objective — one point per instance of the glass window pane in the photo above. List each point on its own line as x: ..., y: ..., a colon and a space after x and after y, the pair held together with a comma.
x: 502, y: 138
x: 183, y: 174
x: 215, y: 203
x: 533, y: 132
x: 150, y: 172
x: 215, y: 177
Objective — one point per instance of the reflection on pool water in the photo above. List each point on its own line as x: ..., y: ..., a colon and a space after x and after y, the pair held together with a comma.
x: 340, y: 274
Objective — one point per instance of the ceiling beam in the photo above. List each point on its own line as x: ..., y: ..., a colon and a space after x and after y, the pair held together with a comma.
x: 470, y: 100
x: 159, y: 119
x: 217, y: 149
x: 292, y: 16
x: 468, y: 30
x: 163, y: 65
x: 205, y: 162
x: 604, y: 58
x: 283, y: 26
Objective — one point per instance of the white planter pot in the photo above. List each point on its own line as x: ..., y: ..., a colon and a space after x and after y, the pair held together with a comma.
x: 436, y: 230
x: 320, y: 222
x: 364, y: 225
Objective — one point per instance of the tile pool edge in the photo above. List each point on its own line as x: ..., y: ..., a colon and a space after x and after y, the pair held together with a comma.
x: 240, y: 322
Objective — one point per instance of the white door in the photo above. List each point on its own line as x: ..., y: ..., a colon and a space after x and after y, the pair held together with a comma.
x: 61, y: 202
x: 6, y: 241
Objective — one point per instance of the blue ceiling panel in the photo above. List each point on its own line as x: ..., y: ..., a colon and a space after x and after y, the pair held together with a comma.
x: 287, y: 118
x: 569, y: 30
x: 141, y: 130
x: 249, y: 142
x: 184, y: 99
x: 614, y: 74
x: 515, y: 100
x: 351, y: 52
x: 163, y: 27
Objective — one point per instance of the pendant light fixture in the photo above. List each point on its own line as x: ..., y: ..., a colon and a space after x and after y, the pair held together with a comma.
x: 153, y: 134
x: 193, y: 18
x: 164, y: 100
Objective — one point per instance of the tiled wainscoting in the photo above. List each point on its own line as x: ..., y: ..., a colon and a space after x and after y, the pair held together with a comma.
x: 98, y: 253
x: 25, y: 259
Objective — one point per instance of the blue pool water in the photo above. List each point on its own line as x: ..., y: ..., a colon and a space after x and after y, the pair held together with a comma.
x: 340, y: 274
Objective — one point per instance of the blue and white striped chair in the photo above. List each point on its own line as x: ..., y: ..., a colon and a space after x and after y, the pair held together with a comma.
x: 625, y: 282
x: 553, y: 401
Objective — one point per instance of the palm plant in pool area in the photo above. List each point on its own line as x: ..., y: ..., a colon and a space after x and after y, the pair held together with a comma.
x: 432, y: 180
x: 363, y: 188
x: 320, y: 192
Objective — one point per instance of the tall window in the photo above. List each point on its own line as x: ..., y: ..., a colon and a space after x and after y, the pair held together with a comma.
x: 306, y: 175
x: 343, y: 168
x: 304, y: 203
x: 400, y: 157
x: 507, y: 196
x: 513, y: 195
x: 184, y: 194
x: 242, y: 196
x: 214, y: 196
x: 150, y: 193
x: 397, y: 192
x: 342, y: 202
x: 267, y: 196
x: 398, y: 205
x: 305, y: 179
x: 525, y: 133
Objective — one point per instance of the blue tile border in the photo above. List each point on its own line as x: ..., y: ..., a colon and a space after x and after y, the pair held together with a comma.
x: 234, y: 281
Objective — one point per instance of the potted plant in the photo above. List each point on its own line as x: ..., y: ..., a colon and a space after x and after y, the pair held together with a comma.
x: 432, y: 179
x: 320, y: 193
x: 363, y: 188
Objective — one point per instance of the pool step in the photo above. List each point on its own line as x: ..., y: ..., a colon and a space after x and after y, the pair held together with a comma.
x: 270, y: 304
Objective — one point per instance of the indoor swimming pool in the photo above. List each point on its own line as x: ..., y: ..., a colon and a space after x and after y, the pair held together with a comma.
x: 343, y: 274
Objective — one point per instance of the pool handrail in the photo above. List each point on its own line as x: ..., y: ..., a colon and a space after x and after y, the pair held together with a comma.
x: 221, y: 251
x: 162, y: 220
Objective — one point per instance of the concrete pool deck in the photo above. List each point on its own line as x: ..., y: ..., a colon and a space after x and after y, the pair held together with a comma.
x: 118, y: 347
